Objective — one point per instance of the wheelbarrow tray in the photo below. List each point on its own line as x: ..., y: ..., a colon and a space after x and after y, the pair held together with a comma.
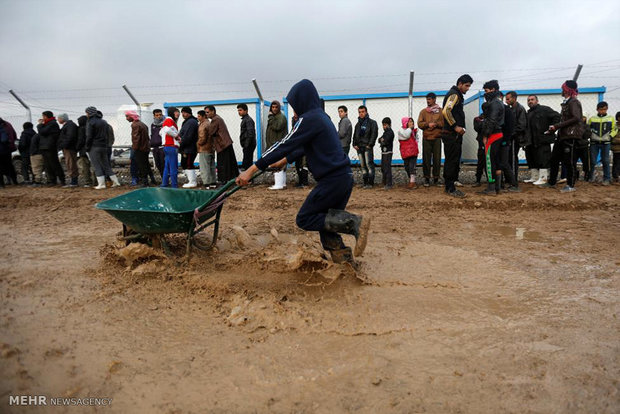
x: 157, y: 210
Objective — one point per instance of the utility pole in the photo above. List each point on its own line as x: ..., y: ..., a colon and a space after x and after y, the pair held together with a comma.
x: 133, y: 98
x: 577, y: 72
x: 411, y: 75
x: 260, y: 111
x: 23, y: 104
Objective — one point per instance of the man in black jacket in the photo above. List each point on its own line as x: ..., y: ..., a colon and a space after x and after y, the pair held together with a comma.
x: 24, y: 151
x: 187, y: 146
x: 159, y: 158
x: 49, y: 131
x: 538, y: 152
x: 519, y: 134
x: 453, y: 131
x: 364, y: 138
x: 493, y: 113
x: 247, y: 136
x: 506, y: 156
x: 67, y: 142
x: 84, y: 168
x: 97, y: 144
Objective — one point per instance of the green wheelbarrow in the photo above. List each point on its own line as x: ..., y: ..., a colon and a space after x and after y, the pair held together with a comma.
x: 151, y: 213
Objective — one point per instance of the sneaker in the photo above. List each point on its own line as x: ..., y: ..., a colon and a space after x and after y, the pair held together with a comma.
x: 546, y: 185
x: 513, y: 189
x: 427, y: 182
x: 488, y: 192
x: 458, y: 184
x: 567, y: 189
x: 606, y: 182
x: 457, y: 194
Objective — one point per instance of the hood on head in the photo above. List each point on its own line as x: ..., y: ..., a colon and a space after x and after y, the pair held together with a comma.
x: 404, y: 121
x: 82, y: 120
x: 303, y: 97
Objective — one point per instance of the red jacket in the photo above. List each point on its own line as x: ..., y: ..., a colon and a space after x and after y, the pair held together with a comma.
x: 408, y: 143
x: 170, y: 132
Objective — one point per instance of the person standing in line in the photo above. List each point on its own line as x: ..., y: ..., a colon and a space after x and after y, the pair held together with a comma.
x: 206, y: 153
x: 83, y: 163
x: 430, y: 121
x: 24, y: 151
x: 364, y: 138
x: 247, y: 136
x: 345, y: 129
x: 97, y: 144
x: 569, y: 130
x: 582, y: 150
x: 493, y: 118
x: 36, y: 160
x: 67, y: 142
x: 170, y: 135
x: 227, y: 167
x: 506, y: 154
x: 603, y: 127
x: 386, y: 141
x: 159, y: 158
x: 538, y: 153
x: 409, y: 150
x: 452, y: 133
x: 276, y: 130
x: 615, y: 148
x: 519, y: 134
x: 49, y: 131
x: 140, y: 145
x: 187, y: 146
x: 8, y: 136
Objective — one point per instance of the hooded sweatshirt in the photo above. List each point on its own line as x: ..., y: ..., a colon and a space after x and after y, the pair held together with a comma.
x: 407, y: 139
x: 314, y: 135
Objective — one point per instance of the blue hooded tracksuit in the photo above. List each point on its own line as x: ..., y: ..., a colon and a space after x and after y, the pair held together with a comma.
x: 315, y: 136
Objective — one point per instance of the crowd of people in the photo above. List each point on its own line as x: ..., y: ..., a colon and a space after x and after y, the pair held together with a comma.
x: 553, y: 143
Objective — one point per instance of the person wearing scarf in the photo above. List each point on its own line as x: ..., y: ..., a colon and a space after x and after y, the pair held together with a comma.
x: 569, y: 131
x: 276, y: 130
x: 491, y: 131
x: 430, y: 121
x: 159, y: 158
x: 140, y: 145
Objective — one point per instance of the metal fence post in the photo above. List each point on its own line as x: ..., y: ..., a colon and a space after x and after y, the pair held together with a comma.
x: 23, y: 104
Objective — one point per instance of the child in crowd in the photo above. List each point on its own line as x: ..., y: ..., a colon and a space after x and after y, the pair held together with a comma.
x: 407, y: 138
x: 387, y: 142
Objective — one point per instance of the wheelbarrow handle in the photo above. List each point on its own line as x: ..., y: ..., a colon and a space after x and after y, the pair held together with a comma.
x: 222, y: 194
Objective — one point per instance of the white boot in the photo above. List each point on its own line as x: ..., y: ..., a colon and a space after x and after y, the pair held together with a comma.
x: 280, y: 181
x: 542, y: 177
x: 115, y: 182
x: 533, y: 176
x: 191, y: 179
x: 101, y: 183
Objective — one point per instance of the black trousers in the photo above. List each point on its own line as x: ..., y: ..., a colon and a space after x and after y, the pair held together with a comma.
x: 542, y: 156
x: 142, y: 163
x: 563, y: 152
x: 505, y: 155
x: 248, y: 156
x: 514, y: 158
x: 227, y: 168
x: 187, y: 161
x: 26, y: 167
x: 7, y: 168
x: 481, y: 162
x: 615, y: 172
x: 301, y: 167
x: 431, y: 152
x: 331, y: 192
x: 452, y: 148
x: 52, y: 166
x: 386, y: 169
x: 159, y: 158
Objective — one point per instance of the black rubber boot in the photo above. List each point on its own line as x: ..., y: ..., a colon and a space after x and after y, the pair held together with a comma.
x: 490, y: 190
x: 340, y: 221
x: 344, y: 255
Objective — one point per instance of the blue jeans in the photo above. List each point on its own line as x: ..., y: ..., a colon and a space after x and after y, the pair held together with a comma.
x: 603, y: 148
x: 171, y: 166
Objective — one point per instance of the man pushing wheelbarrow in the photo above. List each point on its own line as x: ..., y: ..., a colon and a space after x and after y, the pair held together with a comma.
x: 315, y: 136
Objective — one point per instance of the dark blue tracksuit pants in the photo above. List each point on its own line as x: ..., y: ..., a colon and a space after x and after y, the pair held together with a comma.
x: 330, y: 193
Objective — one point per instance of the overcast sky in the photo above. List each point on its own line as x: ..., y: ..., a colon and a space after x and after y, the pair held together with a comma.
x: 70, y: 54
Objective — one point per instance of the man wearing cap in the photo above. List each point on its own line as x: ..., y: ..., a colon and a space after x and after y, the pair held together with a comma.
x: 140, y: 146
x: 67, y: 142
x: 187, y: 146
x: 570, y: 130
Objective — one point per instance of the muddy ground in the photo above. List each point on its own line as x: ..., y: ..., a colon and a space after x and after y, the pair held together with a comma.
x: 481, y: 305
